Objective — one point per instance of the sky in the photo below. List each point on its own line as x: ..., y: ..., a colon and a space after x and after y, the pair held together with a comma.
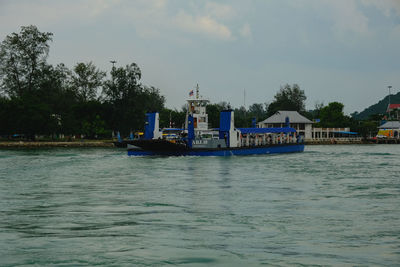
x: 335, y: 50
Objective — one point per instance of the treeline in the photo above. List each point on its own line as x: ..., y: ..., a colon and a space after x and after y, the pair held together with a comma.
x: 37, y: 98
x: 41, y: 99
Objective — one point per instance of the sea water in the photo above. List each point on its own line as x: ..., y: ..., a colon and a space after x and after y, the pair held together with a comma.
x: 331, y: 205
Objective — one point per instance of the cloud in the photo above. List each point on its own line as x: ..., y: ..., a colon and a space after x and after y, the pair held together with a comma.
x: 52, y: 12
x: 245, y: 31
x: 202, y: 24
x: 395, y: 34
x: 219, y: 10
x: 347, y: 17
x: 343, y: 19
x: 386, y: 6
x: 150, y: 18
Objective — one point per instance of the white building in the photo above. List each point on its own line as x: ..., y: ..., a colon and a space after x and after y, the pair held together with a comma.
x: 328, y: 133
x: 302, y: 125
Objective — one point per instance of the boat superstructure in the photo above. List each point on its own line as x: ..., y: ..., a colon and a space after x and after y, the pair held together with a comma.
x: 196, y: 106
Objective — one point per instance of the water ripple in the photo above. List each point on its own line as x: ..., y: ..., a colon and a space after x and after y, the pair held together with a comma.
x: 331, y: 205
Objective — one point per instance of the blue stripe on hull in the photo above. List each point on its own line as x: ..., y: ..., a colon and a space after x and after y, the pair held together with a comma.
x: 225, y: 152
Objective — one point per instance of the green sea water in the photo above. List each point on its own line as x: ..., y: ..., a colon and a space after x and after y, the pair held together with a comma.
x: 331, y: 205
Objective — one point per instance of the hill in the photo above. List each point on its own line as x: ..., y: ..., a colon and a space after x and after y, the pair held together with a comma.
x: 378, y: 108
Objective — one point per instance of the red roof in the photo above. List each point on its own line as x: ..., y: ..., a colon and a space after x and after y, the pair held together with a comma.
x: 393, y: 106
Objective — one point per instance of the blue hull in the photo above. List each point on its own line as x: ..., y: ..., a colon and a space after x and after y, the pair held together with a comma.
x: 290, y: 148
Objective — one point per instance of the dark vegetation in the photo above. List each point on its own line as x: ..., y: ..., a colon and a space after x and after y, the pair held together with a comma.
x: 377, y: 109
x: 37, y: 98
x: 40, y: 99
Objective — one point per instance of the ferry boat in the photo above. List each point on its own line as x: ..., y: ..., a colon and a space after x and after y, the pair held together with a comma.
x: 197, y: 139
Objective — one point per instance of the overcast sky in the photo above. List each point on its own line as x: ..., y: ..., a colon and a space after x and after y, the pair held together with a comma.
x: 336, y: 50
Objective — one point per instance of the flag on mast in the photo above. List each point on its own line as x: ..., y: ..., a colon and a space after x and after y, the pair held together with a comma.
x: 191, y: 93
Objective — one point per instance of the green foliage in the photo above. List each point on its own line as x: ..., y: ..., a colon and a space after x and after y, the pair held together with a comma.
x: 332, y: 116
x: 94, y: 128
x: 258, y: 111
x: 177, y: 118
x: 243, y: 117
x: 38, y: 98
x: 86, y: 81
x: 124, y: 83
x: 22, y: 57
x: 130, y: 100
x: 378, y: 108
x: 32, y: 116
x: 213, y: 111
x: 288, y: 98
x: 316, y: 113
x: 368, y: 128
x: 7, y: 122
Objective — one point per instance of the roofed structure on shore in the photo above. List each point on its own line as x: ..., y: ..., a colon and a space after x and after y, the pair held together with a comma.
x: 280, y: 117
x: 395, y: 109
x: 297, y: 121
x: 392, y: 107
x: 390, y: 125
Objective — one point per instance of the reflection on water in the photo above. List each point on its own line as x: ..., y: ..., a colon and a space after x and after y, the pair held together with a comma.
x: 331, y: 205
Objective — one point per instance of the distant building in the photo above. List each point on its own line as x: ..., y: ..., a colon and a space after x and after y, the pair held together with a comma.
x: 394, y: 110
x: 302, y: 125
x: 390, y: 129
x: 329, y: 133
x: 305, y: 127
x: 389, y: 125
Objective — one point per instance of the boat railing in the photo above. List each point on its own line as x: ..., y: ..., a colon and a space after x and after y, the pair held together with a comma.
x: 270, y: 139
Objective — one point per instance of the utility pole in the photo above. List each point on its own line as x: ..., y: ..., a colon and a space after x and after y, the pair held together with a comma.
x: 113, y: 68
x: 244, y: 98
x: 113, y: 82
x: 389, y: 87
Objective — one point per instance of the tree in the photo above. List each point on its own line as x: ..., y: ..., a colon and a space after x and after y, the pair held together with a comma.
x: 257, y: 110
x: 39, y: 98
x: 54, y: 93
x: 151, y: 99
x: 86, y: 80
x: 94, y: 128
x: 288, y: 98
x: 22, y: 58
x: 130, y: 100
x: 242, y: 117
x: 7, y: 116
x: 24, y: 74
x: 123, y: 84
x: 177, y: 118
x: 317, y: 110
x: 213, y: 111
x: 332, y: 116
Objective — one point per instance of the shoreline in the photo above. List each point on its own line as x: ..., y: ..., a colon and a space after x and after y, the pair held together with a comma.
x: 49, y: 144
x: 110, y: 144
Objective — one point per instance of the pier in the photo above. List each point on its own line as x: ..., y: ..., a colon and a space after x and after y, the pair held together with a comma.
x: 384, y: 140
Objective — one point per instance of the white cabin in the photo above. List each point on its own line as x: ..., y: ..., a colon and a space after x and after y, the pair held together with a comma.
x: 196, y: 106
